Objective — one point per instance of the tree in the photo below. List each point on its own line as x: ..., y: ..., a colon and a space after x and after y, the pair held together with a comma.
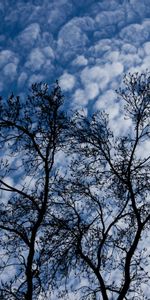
x: 32, y: 132
x: 103, y: 203
x: 88, y: 222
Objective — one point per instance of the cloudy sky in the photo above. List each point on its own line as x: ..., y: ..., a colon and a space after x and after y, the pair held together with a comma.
x: 87, y: 44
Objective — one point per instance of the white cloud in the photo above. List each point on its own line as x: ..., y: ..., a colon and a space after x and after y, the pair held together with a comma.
x: 143, y: 150
x: 48, y: 51
x: 80, y: 60
x: 91, y: 74
x: 29, y: 35
x: 10, y: 70
x: 136, y: 33
x: 142, y: 8
x: 106, y: 100
x: 115, y: 69
x: 36, y: 60
x: 7, y: 56
x: 101, y: 74
x: 22, y: 79
x: 119, y: 125
x: 91, y: 90
x: 79, y: 99
x: 5, y: 196
x: 40, y: 59
x: 58, y: 12
x: 101, y: 47
x: 128, y: 48
x: 106, y: 18
x: 1, y: 86
x: 85, y: 23
x: 112, y: 56
x: 71, y: 37
x: 146, y: 47
x: 146, y: 63
x: 35, y: 78
x: 114, y: 107
x: 130, y: 60
x: 67, y: 81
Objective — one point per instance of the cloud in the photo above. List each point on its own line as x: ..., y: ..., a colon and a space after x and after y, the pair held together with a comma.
x: 101, y: 74
x: 128, y: 48
x: 91, y: 90
x: 10, y: 70
x: 1, y: 86
x: 100, y: 47
x: 146, y: 47
x: 80, y: 61
x: 136, y: 33
x: 109, y: 18
x: 106, y: 100
x: 109, y: 103
x: 29, y: 35
x: 7, y: 56
x: 95, y: 46
x: 5, y: 196
x: 36, y: 60
x: 58, y: 14
x: 141, y: 8
x: 51, y: 36
x: 22, y: 79
x: 40, y: 59
x: 72, y: 38
x: 79, y: 98
x: 67, y: 81
x: 125, y: 57
x: 35, y: 78
x: 8, y: 64
x: 49, y: 53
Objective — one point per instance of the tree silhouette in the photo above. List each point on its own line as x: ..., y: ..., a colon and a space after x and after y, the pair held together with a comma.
x: 31, y: 134
x: 104, y: 201
x: 83, y: 228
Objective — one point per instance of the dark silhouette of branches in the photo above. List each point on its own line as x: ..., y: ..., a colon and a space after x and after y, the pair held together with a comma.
x: 104, y: 204
x: 83, y: 228
x: 32, y: 133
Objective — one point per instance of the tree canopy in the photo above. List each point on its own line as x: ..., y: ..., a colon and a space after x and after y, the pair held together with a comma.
x: 74, y: 197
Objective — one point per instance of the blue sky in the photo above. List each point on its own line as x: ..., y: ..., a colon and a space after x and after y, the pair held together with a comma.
x: 87, y: 45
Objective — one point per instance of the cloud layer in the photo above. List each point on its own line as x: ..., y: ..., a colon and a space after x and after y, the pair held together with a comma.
x: 88, y: 45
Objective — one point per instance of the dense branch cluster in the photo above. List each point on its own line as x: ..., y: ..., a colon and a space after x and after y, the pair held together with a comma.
x: 74, y: 198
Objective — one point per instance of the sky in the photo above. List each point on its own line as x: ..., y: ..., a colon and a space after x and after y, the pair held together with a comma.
x: 88, y: 45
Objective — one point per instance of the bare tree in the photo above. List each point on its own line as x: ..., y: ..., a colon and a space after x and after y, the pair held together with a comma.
x: 84, y: 229
x: 103, y: 203
x: 31, y: 135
